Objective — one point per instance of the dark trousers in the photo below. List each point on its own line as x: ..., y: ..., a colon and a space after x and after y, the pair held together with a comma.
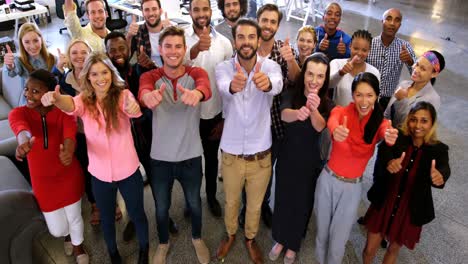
x: 383, y: 102
x: 210, y: 153
x: 163, y: 174
x: 81, y: 152
x: 131, y: 189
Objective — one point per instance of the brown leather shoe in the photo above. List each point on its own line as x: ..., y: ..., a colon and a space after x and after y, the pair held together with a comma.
x: 225, y: 246
x: 254, y: 251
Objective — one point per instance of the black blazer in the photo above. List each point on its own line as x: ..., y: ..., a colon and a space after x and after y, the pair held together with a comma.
x: 421, y: 204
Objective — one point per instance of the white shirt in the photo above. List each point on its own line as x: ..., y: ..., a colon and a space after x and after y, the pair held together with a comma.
x: 220, y: 50
x: 155, y: 56
x: 342, y: 84
x: 247, y: 113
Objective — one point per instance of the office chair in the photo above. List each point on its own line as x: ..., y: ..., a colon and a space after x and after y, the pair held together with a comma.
x: 61, y: 15
x: 114, y: 23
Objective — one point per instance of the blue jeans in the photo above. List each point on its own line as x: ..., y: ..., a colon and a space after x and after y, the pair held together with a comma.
x: 189, y: 174
x: 131, y: 189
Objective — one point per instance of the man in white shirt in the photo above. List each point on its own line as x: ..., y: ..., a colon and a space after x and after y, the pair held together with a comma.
x: 247, y: 86
x: 96, y: 30
x: 207, y: 48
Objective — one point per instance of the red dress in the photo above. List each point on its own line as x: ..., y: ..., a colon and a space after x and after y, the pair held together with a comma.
x: 54, y: 185
x: 393, y: 219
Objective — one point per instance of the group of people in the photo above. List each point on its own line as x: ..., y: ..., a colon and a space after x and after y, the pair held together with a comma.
x: 310, y: 115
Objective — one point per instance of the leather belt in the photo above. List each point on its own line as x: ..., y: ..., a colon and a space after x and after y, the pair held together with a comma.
x: 257, y: 156
x: 341, y: 178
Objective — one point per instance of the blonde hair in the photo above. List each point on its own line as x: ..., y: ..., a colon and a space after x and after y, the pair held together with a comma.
x: 76, y: 41
x: 44, y: 53
x: 431, y: 136
x: 111, y: 101
x: 307, y: 29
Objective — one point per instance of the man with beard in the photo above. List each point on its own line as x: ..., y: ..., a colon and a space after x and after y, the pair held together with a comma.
x: 207, y: 48
x: 232, y: 10
x: 269, y: 18
x: 247, y: 84
x: 143, y: 39
x: 95, y: 32
x: 389, y: 53
x: 174, y: 93
x: 118, y: 52
x: 332, y: 40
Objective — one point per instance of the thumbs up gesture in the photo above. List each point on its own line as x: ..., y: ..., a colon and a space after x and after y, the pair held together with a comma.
x: 189, y: 97
x: 153, y: 98
x: 341, y: 132
x: 394, y: 165
x: 405, y: 56
x: 133, y: 27
x: 401, y: 93
x: 62, y: 60
x: 391, y: 134
x: 51, y: 97
x: 260, y: 79
x: 65, y: 155
x: 131, y: 106
x: 313, y: 101
x: 341, y: 47
x: 204, y: 42
x: 286, y: 51
x: 144, y: 60
x: 23, y: 149
x: 303, y: 113
x: 436, y: 176
x: 349, y: 66
x: 239, y: 80
x: 9, y: 58
x: 165, y: 22
x: 325, y: 43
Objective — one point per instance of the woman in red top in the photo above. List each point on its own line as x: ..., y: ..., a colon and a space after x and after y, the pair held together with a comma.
x: 356, y: 129
x: 401, y: 199
x: 46, y: 136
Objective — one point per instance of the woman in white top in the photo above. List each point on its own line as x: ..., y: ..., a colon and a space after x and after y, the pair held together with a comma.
x: 342, y: 71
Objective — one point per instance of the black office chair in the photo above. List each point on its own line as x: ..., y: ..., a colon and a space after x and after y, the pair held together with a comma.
x: 114, y: 23
x: 61, y: 15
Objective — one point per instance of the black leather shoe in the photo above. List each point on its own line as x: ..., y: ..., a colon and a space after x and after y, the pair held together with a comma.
x: 143, y: 257
x: 129, y: 231
x: 215, y: 207
x: 361, y: 220
x: 267, y: 216
x: 241, y: 218
x: 173, y: 229
x: 115, y: 258
x: 383, y: 243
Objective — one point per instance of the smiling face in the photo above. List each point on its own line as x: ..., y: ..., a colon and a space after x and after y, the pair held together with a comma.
x: 246, y: 41
x: 305, y: 44
x: 172, y: 51
x: 232, y: 10
x: 420, y: 124
x: 97, y: 15
x: 200, y: 13
x: 33, y: 92
x: 118, y: 52
x: 332, y: 17
x: 391, y: 22
x: 32, y: 43
x: 77, y: 54
x: 364, y: 97
x: 269, y: 23
x: 423, y: 71
x: 151, y: 13
x: 361, y: 48
x: 100, y: 77
x: 314, y: 77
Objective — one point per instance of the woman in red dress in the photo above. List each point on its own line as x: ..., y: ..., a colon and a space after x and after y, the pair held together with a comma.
x: 401, y: 198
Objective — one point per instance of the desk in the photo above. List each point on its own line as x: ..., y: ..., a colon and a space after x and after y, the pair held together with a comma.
x: 133, y: 8
x: 16, y: 15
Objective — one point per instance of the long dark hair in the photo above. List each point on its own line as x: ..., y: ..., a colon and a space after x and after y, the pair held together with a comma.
x: 299, y: 99
x: 376, y: 116
x: 431, y: 136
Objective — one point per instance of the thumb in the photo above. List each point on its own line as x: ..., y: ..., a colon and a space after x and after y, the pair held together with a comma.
x: 403, y: 47
x: 433, y: 165
x: 162, y: 88
x: 165, y: 15
x: 389, y: 124
x: 341, y: 38
x: 258, y: 66
x: 205, y: 30
x: 59, y: 51
x: 142, y: 49
x: 345, y: 122
x: 355, y: 58
x: 31, y: 141
x: 238, y: 68
x: 326, y: 36
x: 134, y: 19
x: 61, y: 147
x: 57, y: 89
x: 402, y: 156
x: 180, y: 88
x: 286, y: 42
x: 8, y: 49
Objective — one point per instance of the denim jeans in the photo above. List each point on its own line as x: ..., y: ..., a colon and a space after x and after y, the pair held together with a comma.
x: 189, y: 174
x: 131, y: 189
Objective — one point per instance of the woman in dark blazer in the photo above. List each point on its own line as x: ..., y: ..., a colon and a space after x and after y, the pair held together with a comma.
x: 401, y: 197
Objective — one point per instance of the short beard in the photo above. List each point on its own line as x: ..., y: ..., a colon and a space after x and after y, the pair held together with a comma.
x: 234, y: 20
x: 195, y: 23
x: 239, y: 53
x: 158, y: 21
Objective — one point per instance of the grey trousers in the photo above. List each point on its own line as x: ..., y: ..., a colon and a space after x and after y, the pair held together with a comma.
x: 336, y: 204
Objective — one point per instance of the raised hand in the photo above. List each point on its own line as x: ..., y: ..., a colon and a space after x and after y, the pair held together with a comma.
x: 401, y: 93
x: 286, y: 51
x: 166, y: 22
x: 325, y: 43
x: 189, y: 97
x: 62, y: 60
x: 260, y: 79
x: 405, y: 56
x: 391, y: 134
x: 239, y: 80
x: 50, y: 98
x: 436, y: 176
x: 394, y: 165
x: 313, y: 101
x: 9, y: 58
x: 341, y: 132
x: 341, y: 47
x: 23, y: 149
x: 204, y: 42
x: 154, y: 98
x: 144, y: 60
x: 131, y: 106
x: 303, y: 113
x: 349, y: 66
x: 65, y: 156
x: 133, y: 27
